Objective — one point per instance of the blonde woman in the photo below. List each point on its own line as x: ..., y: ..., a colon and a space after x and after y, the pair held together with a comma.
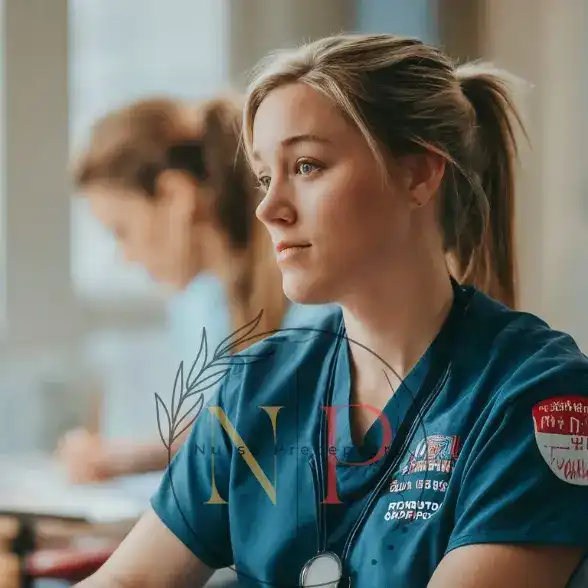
x: 437, y: 435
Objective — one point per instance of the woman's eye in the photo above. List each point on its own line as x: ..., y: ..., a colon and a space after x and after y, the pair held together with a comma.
x: 305, y: 168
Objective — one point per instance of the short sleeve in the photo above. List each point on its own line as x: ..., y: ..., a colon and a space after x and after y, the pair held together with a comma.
x: 526, y: 479
x: 192, y: 498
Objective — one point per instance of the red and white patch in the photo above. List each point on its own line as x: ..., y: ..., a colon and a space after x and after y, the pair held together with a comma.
x: 561, y: 432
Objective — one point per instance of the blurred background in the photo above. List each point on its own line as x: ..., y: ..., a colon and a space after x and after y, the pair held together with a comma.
x: 85, y: 336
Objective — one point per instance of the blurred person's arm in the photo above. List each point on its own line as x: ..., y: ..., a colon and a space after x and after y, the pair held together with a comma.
x: 88, y: 457
x: 150, y: 557
x: 185, y: 535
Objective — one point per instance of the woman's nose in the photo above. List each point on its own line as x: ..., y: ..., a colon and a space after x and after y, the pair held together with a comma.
x: 276, y: 207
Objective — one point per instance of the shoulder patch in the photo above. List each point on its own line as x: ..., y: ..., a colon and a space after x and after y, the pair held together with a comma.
x: 561, y: 433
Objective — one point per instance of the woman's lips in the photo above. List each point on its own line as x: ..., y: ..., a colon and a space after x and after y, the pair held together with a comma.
x: 286, y: 251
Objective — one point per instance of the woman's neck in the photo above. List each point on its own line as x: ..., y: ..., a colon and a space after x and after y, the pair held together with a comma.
x: 395, y: 320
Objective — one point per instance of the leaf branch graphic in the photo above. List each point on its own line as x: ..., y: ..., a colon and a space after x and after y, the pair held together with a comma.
x: 160, y: 403
x: 203, y: 375
x: 240, y: 335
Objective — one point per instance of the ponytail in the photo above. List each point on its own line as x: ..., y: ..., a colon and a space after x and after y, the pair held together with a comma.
x: 485, y: 251
x: 226, y: 174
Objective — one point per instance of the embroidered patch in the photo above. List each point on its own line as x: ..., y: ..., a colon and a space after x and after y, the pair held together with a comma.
x: 435, y: 453
x: 417, y: 489
x: 561, y: 432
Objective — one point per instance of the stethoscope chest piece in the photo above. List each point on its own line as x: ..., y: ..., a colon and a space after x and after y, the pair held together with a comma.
x: 322, y: 571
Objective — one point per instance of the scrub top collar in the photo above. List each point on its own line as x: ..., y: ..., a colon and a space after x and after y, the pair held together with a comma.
x: 417, y: 386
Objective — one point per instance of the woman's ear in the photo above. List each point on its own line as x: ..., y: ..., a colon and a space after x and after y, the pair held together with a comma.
x: 425, y: 173
x: 184, y: 197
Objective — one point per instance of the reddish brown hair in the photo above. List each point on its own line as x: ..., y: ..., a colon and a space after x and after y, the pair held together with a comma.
x: 130, y: 147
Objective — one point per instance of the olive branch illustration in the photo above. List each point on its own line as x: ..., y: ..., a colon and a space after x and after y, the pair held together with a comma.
x: 204, y: 374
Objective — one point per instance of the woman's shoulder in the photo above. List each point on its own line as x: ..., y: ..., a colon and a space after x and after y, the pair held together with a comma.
x: 308, y: 333
x: 264, y: 371
x: 518, y: 352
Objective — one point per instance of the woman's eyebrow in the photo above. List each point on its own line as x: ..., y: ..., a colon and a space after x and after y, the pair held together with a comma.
x: 296, y: 139
x: 305, y: 138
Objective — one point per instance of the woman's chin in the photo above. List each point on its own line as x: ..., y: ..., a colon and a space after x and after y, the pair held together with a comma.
x: 304, y: 291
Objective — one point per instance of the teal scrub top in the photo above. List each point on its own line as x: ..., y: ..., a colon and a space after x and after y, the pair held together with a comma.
x: 203, y: 305
x: 484, y: 442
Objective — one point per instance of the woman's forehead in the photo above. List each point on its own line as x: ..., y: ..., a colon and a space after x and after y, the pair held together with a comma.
x: 294, y: 111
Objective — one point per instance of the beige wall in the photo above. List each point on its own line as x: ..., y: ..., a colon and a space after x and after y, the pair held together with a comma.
x: 547, y: 45
x: 505, y: 44
x: 460, y: 27
x: 543, y: 42
x: 491, y: 29
x: 565, y: 160
x: 255, y: 30
x: 35, y: 186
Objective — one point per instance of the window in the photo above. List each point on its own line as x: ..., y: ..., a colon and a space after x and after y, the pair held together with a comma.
x: 120, y: 52
x: 417, y: 18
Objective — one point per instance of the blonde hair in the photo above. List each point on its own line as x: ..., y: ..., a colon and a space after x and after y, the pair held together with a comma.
x: 133, y: 145
x: 408, y: 97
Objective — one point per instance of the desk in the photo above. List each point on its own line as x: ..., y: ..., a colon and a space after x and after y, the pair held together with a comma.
x: 40, y: 510
x: 35, y: 488
x: 37, y: 485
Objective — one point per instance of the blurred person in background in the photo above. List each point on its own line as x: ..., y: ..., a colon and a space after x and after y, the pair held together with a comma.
x: 166, y: 177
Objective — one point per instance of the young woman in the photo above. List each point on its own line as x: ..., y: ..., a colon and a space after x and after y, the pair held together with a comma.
x: 167, y: 178
x: 427, y: 435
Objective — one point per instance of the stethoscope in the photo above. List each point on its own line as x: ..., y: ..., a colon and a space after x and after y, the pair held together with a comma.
x: 325, y: 569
